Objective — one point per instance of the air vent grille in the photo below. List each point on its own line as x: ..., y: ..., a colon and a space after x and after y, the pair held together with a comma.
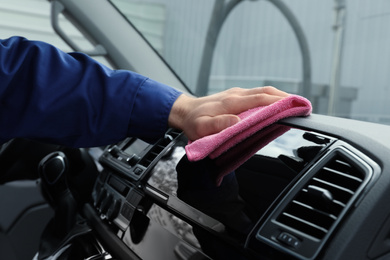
x: 156, y: 150
x: 319, y: 204
x: 174, y: 133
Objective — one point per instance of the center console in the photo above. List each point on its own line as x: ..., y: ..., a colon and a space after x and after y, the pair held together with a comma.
x: 288, y: 192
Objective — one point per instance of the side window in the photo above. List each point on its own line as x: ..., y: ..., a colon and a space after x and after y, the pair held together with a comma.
x: 31, y: 19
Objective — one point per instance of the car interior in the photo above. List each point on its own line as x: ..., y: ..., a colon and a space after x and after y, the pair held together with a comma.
x: 315, y: 187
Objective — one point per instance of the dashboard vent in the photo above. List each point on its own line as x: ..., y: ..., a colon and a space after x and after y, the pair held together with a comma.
x: 174, y: 133
x: 156, y: 150
x: 317, y: 203
x: 320, y: 203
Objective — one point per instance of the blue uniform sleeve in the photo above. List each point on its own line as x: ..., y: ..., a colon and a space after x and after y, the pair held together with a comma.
x: 70, y: 99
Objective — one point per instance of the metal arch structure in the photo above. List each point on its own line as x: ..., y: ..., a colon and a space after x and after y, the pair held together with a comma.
x: 220, y: 12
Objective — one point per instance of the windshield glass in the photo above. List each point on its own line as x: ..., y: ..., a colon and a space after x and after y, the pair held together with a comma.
x: 336, y: 53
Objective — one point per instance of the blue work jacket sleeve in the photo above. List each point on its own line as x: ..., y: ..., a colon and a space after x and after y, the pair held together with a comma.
x: 70, y: 99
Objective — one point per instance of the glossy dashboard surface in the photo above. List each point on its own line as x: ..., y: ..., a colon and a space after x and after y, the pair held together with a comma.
x: 185, y: 209
x: 189, y: 205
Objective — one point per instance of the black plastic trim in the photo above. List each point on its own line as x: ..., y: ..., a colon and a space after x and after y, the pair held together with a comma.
x: 308, y: 246
x: 105, y: 234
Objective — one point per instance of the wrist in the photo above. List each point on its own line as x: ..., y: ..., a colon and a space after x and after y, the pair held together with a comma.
x: 179, y: 111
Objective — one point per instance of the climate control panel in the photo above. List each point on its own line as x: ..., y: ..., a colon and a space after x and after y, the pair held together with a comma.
x: 115, y: 200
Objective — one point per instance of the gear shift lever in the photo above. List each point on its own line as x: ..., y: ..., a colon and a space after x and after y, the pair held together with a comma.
x: 52, y: 170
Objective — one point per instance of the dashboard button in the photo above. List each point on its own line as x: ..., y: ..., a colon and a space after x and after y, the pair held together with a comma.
x: 133, y: 160
x: 138, y: 171
x: 114, y: 151
x: 289, y: 240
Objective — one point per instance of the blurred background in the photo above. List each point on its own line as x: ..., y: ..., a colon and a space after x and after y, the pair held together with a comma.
x: 335, y: 52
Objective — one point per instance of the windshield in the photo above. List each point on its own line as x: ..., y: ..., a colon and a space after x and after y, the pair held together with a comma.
x: 336, y: 53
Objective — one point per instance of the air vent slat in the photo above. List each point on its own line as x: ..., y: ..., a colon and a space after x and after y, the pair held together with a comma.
x: 332, y: 184
x: 333, y: 209
x: 174, y: 133
x: 341, y: 165
x: 158, y: 148
x: 347, y: 176
x: 310, y: 214
x: 300, y: 224
x: 340, y: 193
x: 154, y: 152
x: 339, y: 203
x: 340, y: 178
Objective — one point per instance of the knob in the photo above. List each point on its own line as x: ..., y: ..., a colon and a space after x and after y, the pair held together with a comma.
x: 114, y: 151
x: 52, y: 170
x: 133, y: 160
x: 113, y: 210
x: 107, y: 201
x: 102, y: 194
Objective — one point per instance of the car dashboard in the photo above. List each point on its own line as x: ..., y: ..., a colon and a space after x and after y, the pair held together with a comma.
x: 304, y: 188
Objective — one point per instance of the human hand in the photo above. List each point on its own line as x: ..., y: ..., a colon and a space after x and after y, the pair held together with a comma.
x: 198, y: 117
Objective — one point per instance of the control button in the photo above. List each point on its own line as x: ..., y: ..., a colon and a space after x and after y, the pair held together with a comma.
x: 133, y: 160
x: 106, y: 203
x: 114, y: 151
x: 138, y: 171
x: 289, y: 240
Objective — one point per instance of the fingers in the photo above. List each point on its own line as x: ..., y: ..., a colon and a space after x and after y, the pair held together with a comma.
x: 199, y: 117
x: 238, y: 104
x: 268, y: 90
x: 240, y: 100
x: 211, y: 125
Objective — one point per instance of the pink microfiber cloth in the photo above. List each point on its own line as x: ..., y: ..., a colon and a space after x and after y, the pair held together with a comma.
x: 252, y: 121
x: 234, y: 158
